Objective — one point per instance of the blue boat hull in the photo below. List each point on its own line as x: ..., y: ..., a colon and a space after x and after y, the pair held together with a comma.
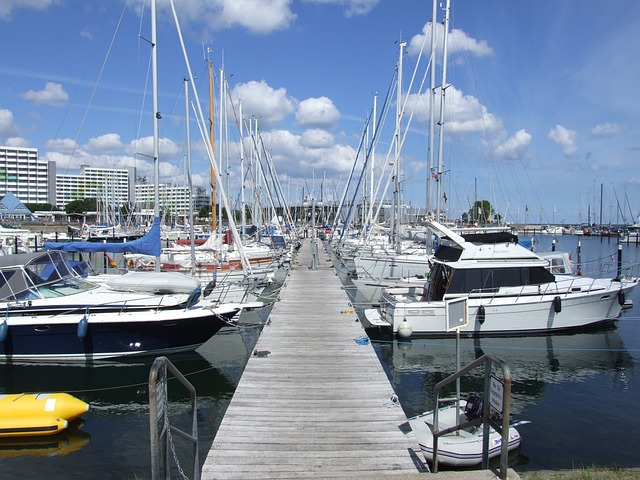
x: 58, y: 341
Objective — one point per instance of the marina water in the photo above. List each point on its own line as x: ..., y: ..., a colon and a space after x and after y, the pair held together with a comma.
x: 579, y: 391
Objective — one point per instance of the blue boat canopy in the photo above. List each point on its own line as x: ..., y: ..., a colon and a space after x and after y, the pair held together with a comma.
x: 147, y: 245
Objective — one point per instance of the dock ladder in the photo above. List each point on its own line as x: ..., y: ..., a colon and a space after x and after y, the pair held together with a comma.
x: 162, y: 447
x: 493, y: 389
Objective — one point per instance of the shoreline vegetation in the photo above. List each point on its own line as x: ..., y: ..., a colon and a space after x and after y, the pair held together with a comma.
x: 586, y: 473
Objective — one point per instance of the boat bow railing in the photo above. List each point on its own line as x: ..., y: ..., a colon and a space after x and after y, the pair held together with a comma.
x: 486, y: 420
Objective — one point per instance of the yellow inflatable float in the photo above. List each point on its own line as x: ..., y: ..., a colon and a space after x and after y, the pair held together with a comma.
x: 68, y: 441
x: 25, y: 414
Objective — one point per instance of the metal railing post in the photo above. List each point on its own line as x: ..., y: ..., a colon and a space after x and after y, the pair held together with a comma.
x: 488, y: 360
x: 159, y: 427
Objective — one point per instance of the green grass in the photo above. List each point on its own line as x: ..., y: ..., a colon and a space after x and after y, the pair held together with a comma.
x: 584, y: 473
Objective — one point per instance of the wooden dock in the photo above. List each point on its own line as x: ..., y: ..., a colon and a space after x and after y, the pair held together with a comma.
x: 314, y: 400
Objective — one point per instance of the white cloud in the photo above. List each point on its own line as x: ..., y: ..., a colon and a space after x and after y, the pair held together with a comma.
x: 7, y: 6
x: 565, y: 138
x: 608, y: 130
x: 317, y: 112
x: 261, y: 101
x: 53, y: 94
x: 463, y: 113
x: 144, y: 146
x: 106, y: 142
x: 514, y: 147
x: 291, y: 153
x: 7, y: 127
x: 350, y: 7
x: 257, y: 16
x: 18, y: 142
x: 458, y: 41
x: 316, y: 138
x: 62, y: 145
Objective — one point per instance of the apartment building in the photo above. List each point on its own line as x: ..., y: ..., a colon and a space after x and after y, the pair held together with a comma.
x: 33, y: 180
x: 110, y: 186
x: 173, y: 199
x: 25, y: 175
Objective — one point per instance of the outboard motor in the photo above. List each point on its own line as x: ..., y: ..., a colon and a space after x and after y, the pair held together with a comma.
x: 474, y: 406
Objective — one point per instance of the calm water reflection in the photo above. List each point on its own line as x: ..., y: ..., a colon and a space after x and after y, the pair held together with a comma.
x: 112, y: 440
x: 580, y: 392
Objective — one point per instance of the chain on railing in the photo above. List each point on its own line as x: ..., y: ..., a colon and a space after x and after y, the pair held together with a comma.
x: 162, y: 445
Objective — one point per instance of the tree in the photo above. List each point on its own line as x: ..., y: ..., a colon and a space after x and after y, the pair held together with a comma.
x: 41, y: 207
x: 481, y: 212
x: 81, y: 206
x: 204, y: 211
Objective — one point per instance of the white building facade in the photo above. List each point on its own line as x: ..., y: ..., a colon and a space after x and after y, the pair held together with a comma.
x: 24, y: 174
x: 33, y: 180
x: 112, y: 187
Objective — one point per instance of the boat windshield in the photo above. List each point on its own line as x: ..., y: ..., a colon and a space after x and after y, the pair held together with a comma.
x: 45, y: 276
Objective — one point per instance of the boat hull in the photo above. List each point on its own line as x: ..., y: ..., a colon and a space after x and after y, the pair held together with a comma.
x: 504, y: 315
x: 111, y: 334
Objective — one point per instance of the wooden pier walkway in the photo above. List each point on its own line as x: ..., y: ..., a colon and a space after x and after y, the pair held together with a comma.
x: 313, y: 400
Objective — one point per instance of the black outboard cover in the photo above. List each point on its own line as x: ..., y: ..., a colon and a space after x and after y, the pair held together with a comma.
x: 474, y: 406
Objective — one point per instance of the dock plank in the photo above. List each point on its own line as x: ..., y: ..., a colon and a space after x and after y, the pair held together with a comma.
x: 313, y: 400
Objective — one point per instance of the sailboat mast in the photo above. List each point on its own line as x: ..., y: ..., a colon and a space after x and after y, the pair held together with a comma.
x: 372, y: 160
x: 432, y: 110
x: 242, y: 187
x: 221, y: 139
x: 189, y: 178
x: 443, y: 89
x: 214, y: 219
x: 156, y: 117
x: 395, y: 207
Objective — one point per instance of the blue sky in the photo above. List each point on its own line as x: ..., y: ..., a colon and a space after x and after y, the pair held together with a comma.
x: 541, y: 112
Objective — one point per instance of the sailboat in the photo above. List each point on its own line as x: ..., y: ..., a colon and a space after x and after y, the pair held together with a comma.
x: 379, y: 257
x: 218, y: 263
x: 51, y: 313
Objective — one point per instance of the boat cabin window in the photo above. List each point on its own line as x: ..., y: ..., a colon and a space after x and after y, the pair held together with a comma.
x: 484, y: 279
x: 559, y: 265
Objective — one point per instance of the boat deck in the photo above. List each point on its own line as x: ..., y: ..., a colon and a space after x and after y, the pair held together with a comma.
x: 314, y: 400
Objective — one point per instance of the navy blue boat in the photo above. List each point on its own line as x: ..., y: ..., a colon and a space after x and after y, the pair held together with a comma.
x: 51, y: 313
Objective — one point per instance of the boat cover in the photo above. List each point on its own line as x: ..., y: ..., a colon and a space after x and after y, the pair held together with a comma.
x: 148, y: 245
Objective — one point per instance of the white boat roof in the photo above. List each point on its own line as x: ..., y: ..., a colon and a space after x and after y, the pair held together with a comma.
x: 494, y: 255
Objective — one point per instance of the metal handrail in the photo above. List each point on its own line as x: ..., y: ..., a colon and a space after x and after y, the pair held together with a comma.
x: 160, y: 428
x: 487, y: 360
